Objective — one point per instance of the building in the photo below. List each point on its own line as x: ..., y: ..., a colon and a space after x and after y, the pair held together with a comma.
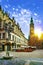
x: 11, y: 35
x: 31, y: 36
x: 33, y: 40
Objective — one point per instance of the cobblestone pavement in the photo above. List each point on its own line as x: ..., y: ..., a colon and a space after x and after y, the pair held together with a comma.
x: 34, y: 54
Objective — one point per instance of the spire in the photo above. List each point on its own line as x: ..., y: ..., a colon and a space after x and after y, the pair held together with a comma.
x: 31, y: 21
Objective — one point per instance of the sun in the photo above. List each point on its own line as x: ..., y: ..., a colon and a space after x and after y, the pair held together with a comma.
x: 38, y: 32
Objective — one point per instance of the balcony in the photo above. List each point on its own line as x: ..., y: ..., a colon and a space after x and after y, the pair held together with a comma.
x: 11, y: 28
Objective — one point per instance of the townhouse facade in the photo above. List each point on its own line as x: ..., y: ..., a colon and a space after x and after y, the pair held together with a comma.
x: 11, y: 35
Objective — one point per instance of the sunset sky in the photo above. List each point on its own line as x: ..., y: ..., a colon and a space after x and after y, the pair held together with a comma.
x: 22, y: 10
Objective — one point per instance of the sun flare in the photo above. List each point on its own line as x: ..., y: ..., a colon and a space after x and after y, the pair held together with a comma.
x: 38, y: 32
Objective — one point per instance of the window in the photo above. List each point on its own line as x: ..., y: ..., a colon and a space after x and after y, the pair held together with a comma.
x: 18, y: 45
x: 5, y: 26
x: 16, y: 39
x: 9, y: 36
x: 13, y: 37
x: 12, y: 44
x: 3, y: 35
x: 19, y: 40
x: 0, y: 35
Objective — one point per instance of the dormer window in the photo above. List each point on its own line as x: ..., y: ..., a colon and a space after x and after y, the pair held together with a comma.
x: 9, y: 23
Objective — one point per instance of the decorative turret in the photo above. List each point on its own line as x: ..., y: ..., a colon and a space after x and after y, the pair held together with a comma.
x: 31, y: 21
x: 13, y: 18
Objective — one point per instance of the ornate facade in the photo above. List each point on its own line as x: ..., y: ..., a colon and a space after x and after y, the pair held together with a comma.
x: 11, y: 35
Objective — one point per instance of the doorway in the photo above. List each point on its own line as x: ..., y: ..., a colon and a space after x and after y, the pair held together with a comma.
x: 8, y: 47
x: 2, y: 47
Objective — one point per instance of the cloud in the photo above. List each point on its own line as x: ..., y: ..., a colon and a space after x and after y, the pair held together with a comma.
x: 19, y: 6
x: 6, y: 6
x: 13, y: 8
x: 35, y: 14
x: 23, y: 17
x: 16, y: 9
x: 39, y: 21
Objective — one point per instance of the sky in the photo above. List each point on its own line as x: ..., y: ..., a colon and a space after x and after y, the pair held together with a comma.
x: 22, y: 10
